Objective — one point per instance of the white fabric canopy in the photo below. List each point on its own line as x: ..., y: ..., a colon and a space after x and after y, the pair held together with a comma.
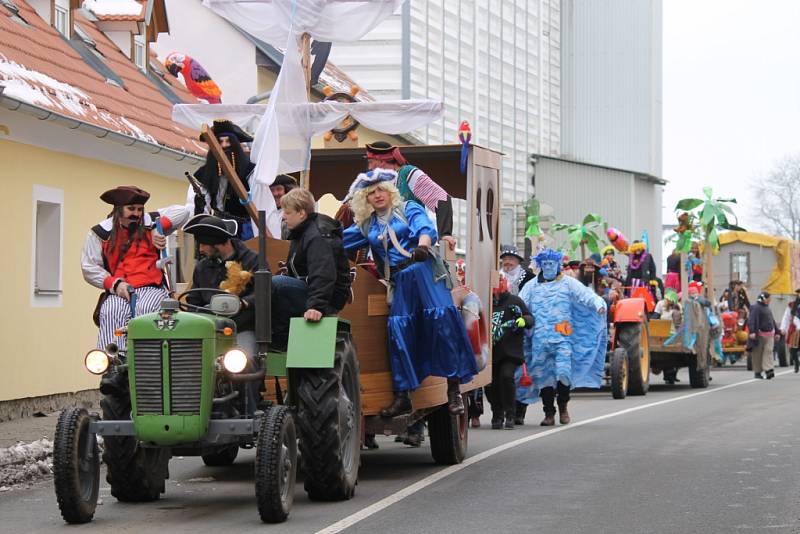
x: 324, y: 20
x: 389, y: 116
x: 283, y: 136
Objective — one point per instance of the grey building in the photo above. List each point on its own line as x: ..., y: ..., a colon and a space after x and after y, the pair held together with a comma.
x: 627, y: 200
x: 755, y: 259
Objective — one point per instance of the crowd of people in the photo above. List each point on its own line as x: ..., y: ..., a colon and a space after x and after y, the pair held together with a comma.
x: 549, y: 325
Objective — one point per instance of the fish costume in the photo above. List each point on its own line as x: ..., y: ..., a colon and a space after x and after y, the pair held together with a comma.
x: 568, y: 345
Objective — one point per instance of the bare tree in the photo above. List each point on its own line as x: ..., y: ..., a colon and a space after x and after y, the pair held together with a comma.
x: 778, y: 197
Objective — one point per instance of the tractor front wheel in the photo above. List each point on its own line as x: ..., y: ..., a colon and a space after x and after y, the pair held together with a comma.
x: 329, y: 423
x: 448, y: 435
x: 276, y: 464
x: 76, y: 466
x: 619, y: 373
x: 135, y: 474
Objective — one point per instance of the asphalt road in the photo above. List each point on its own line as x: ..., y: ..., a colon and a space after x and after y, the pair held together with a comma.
x: 678, y: 460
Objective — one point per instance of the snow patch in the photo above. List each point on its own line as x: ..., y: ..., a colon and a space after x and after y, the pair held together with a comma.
x: 102, y: 8
x: 41, y: 89
x: 25, y: 462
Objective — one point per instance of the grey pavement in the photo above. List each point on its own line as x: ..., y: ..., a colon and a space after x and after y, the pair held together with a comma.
x: 719, y: 462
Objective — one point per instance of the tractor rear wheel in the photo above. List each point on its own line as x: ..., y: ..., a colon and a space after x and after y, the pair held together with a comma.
x: 448, y: 435
x: 329, y: 424
x: 222, y: 457
x: 698, y: 378
x: 276, y: 464
x: 633, y: 337
x: 76, y: 466
x: 135, y: 474
x: 619, y: 373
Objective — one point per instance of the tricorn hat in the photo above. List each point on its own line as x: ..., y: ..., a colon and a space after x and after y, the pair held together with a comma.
x: 286, y: 181
x: 125, y: 195
x: 224, y: 127
x: 381, y: 150
x: 510, y: 250
x: 211, y: 230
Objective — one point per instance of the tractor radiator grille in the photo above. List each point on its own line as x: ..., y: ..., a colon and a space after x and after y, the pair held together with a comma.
x: 186, y: 375
x: 147, y: 377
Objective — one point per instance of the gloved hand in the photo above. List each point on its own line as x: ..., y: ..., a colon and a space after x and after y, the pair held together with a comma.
x: 420, y: 254
x: 199, y: 204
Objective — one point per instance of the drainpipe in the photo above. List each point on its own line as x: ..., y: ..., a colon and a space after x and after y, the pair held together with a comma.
x: 13, y: 104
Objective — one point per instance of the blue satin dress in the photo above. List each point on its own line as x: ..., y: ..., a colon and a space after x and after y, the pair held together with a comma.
x: 425, y: 330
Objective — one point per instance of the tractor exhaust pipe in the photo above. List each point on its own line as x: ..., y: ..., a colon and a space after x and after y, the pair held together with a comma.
x: 263, y: 282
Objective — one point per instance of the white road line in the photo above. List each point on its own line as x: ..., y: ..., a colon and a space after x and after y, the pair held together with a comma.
x: 444, y: 473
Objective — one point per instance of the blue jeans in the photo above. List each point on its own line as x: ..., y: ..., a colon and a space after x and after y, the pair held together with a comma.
x: 289, y: 297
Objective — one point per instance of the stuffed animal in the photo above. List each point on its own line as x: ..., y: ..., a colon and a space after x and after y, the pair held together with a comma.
x: 237, y: 279
x: 196, y: 78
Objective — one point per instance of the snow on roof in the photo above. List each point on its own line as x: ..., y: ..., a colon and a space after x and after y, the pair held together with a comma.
x: 114, y: 8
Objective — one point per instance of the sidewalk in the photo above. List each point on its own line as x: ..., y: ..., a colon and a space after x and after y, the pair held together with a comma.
x: 27, y: 429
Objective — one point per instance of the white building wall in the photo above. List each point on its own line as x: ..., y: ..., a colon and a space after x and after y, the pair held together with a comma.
x: 226, y: 54
x: 494, y: 63
x: 611, y: 87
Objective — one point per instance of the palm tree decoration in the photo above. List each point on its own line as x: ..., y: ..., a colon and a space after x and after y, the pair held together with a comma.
x: 702, y: 219
x: 585, y: 234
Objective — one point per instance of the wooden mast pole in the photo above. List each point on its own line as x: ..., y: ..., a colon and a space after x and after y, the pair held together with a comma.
x: 230, y: 173
x: 305, y: 176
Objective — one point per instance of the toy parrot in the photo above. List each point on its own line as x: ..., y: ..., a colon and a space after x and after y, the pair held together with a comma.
x: 618, y: 240
x: 465, y: 136
x: 197, y: 80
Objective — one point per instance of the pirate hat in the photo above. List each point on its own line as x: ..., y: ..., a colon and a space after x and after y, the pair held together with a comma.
x: 211, y: 230
x: 510, y: 250
x: 286, y: 181
x: 125, y: 195
x: 225, y: 128
x: 379, y: 147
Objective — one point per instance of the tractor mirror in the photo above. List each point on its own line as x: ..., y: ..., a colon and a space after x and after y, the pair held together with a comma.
x: 226, y: 305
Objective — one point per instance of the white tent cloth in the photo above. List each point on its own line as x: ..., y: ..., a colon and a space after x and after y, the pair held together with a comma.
x: 324, y: 20
x: 389, y: 116
x: 283, y: 138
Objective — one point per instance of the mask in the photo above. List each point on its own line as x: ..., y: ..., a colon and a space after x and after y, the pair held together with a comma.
x: 549, y: 269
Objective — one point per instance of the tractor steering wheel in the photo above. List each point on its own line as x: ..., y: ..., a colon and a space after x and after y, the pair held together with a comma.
x: 185, y: 306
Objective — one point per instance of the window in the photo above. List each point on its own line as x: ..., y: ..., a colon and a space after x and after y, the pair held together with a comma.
x: 48, y: 235
x: 62, y: 20
x: 740, y: 267
x: 139, y: 52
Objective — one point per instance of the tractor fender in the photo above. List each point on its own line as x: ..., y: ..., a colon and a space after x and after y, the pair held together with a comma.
x: 630, y: 310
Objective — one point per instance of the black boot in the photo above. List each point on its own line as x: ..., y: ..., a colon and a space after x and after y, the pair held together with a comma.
x: 509, y: 424
x: 400, y: 406
x: 455, y: 403
x: 497, y: 421
x: 770, y: 374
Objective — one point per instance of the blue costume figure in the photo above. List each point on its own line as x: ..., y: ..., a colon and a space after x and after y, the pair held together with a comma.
x: 425, y: 330
x: 567, y: 349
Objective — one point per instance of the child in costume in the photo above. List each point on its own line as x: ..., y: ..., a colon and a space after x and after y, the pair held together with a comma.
x: 510, y: 319
x: 568, y: 346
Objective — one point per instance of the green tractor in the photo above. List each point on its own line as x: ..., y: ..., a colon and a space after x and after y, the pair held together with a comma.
x: 180, y: 389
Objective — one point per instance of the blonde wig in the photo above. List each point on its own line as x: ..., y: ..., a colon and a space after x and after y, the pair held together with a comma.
x: 362, y: 210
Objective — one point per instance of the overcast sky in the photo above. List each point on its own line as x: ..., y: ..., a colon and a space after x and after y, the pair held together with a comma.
x: 731, y: 95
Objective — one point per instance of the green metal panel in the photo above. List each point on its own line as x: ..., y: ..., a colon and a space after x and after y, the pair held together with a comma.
x: 171, y: 429
x: 311, y: 345
x: 276, y: 364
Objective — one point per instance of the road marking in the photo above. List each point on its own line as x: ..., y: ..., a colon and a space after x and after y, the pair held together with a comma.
x: 444, y: 473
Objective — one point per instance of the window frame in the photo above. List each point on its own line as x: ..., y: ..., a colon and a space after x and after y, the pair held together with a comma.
x: 48, y: 297
x: 731, y: 263
x: 59, y: 10
x: 139, y: 43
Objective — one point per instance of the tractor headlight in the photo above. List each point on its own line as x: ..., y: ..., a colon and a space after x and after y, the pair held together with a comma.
x: 235, y: 360
x: 97, y: 361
